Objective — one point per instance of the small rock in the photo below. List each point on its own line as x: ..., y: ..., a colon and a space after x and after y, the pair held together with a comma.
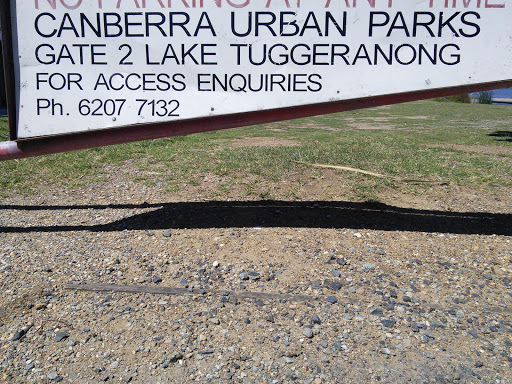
x: 156, y: 279
x: 19, y: 335
x: 341, y: 261
x: 114, y: 364
x: 335, y: 285
x: 175, y: 356
x: 388, y: 323
x: 28, y: 367
x: 352, y: 289
x: 437, y: 324
x: 336, y: 273
x: 385, y: 351
x: 307, y: 332
x: 54, y: 376
x: 166, y: 234
x: 332, y: 299
x: 406, y: 299
x: 59, y: 336
x: 316, y: 319
x: 243, y: 276
x: 259, y: 303
x: 215, y: 321
x: 429, y: 334
x: 368, y: 266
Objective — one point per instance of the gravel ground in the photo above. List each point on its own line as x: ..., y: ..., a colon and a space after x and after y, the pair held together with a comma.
x: 416, y: 289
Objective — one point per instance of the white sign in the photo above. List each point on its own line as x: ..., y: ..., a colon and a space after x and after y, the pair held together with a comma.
x: 94, y: 64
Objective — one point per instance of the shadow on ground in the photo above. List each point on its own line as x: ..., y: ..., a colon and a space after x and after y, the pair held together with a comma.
x: 269, y: 213
x: 502, y: 136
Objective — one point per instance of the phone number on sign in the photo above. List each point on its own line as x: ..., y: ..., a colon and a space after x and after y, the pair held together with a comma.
x: 114, y: 107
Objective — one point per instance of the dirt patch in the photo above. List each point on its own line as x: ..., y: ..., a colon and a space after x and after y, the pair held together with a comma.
x: 280, y: 130
x: 370, y: 126
x: 384, y: 107
x: 263, y: 142
x: 416, y: 117
x: 316, y: 126
x: 488, y: 149
x: 322, y: 127
x: 354, y: 120
x: 397, y: 291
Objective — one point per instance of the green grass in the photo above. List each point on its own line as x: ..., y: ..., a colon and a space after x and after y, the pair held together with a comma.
x: 416, y: 140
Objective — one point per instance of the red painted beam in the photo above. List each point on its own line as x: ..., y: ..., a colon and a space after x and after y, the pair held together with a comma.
x: 97, y: 138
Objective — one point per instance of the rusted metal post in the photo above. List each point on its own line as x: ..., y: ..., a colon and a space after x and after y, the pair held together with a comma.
x: 8, y: 66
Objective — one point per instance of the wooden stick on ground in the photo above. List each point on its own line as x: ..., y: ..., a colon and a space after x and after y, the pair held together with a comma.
x: 185, y: 291
x: 402, y: 180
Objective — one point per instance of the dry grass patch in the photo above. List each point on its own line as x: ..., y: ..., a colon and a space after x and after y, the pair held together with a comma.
x: 487, y: 149
x: 269, y: 142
